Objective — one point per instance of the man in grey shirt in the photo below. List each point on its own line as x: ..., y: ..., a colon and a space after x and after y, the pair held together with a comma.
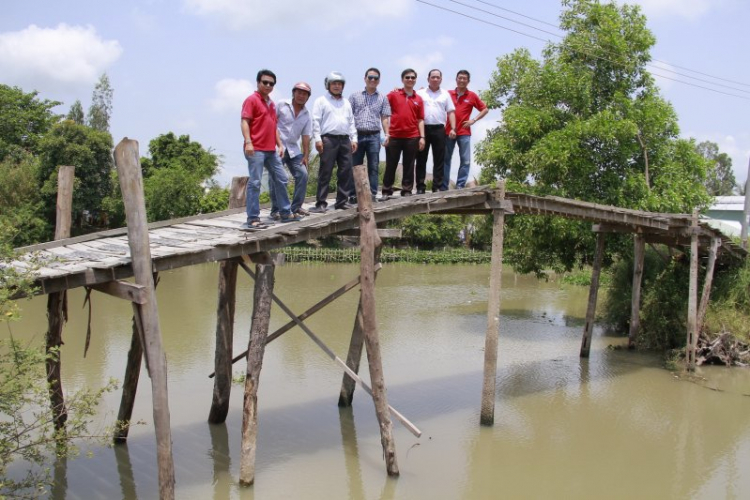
x: 371, y: 112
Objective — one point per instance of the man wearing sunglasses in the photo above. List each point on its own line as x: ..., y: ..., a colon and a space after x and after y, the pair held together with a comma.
x: 406, y: 134
x: 263, y: 147
x: 371, y: 112
x: 438, y: 110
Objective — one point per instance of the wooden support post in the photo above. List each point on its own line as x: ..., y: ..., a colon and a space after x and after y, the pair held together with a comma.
x: 487, y: 414
x: 635, y: 307
x: 369, y: 242
x: 131, y: 185
x: 354, y: 357
x: 130, y: 382
x: 57, y: 310
x: 692, y: 323
x: 225, y: 320
x: 593, y: 293
x: 708, y: 282
x: 255, y: 350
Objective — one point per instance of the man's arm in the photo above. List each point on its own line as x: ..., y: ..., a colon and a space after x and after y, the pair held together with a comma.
x: 279, y: 144
x: 305, y: 149
x: 245, y: 127
x: 452, y: 121
x: 420, y: 125
x: 317, y: 115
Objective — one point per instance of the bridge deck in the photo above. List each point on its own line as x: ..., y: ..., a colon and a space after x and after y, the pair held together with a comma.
x: 105, y: 256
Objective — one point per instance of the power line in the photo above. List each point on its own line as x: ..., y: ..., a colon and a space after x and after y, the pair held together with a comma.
x: 561, y: 36
x: 484, y: 21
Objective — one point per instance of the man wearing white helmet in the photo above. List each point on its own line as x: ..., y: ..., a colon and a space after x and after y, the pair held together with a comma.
x: 335, y: 140
x: 294, y: 122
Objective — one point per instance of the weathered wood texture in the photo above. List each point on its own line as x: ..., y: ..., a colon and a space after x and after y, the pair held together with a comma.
x: 225, y: 320
x: 370, y: 241
x: 593, y: 294
x: 707, y: 283
x: 639, y: 246
x: 487, y: 411
x: 130, y: 381
x: 692, y: 320
x: 57, y: 310
x: 264, y: 282
x: 131, y: 185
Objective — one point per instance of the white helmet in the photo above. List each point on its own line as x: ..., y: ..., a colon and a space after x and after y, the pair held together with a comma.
x: 334, y: 76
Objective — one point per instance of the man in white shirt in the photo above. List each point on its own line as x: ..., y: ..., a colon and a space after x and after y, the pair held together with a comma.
x: 335, y: 140
x: 438, y: 110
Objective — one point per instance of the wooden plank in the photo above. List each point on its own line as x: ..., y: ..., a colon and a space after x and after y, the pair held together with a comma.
x: 593, y: 293
x: 131, y: 185
x: 123, y: 290
x: 639, y: 250
x: 707, y: 282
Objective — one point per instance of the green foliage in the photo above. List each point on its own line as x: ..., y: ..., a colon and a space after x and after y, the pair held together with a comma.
x: 76, y: 113
x: 389, y: 254
x: 720, y: 180
x: 171, y: 193
x: 20, y: 205
x: 100, y: 110
x: 431, y: 230
x: 729, y: 309
x: 169, y: 151
x: 90, y: 151
x: 24, y: 119
x: 586, y: 122
x: 215, y: 199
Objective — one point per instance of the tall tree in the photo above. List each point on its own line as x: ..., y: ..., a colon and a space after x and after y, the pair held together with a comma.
x: 100, y: 111
x: 76, y: 113
x: 586, y: 122
x: 24, y: 119
x: 720, y: 179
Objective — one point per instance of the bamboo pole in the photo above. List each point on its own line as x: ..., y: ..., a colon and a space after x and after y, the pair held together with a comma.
x: 593, y: 294
x: 708, y: 282
x: 692, y: 323
x: 256, y: 348
x: 487, y: 414
x: 370, y: 241
x: 131, y: 185
x: 225, y: 320
x: 635, y: 306
x: 57, y: 310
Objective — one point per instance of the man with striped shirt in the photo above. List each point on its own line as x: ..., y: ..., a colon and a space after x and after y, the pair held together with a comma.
x: 371, y: 112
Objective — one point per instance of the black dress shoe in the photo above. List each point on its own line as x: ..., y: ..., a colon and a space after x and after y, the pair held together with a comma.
x: 420, y: 191
x: 344, y: 206
x: 406, y: 193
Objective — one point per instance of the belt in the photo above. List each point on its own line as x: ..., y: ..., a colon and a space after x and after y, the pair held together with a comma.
x: 336, y: 136
x: 368, y: 132
x: 434, y: 125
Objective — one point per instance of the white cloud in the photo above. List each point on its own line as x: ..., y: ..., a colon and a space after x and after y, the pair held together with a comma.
x: 67, y: 57
x: 230, y: 93
x: 241, y: 14
x: 689, y: 9
x: 421, y: 63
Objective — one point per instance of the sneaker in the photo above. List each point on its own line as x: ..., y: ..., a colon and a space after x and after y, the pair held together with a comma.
x: 384, y: 197
x: 345, y: 206
x: 290, y: 218
x: 318, y: 210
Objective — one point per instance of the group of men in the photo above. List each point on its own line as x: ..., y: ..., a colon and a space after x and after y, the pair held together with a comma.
x: 346, y: 131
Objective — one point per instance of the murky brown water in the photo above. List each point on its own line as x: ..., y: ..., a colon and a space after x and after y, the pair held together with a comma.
x: 614, y: 426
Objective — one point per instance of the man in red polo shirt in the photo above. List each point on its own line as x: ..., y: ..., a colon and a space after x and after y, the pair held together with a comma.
x: 465, y: 102
x: 406, y: 134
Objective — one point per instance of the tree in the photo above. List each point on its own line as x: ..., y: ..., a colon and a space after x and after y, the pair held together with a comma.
x: 586, y: 122
x: 169, y: 151
x: 100, y: 111
x: 720, y: 180
x: 76, y: 113
x: 90, y: 151
x: 24, y: 119
x: 21, y: 208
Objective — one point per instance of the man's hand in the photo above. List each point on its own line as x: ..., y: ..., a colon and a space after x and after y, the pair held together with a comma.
x: 452, y: 134
x: 421, y: 143
x: 354, y: 147
x: 281, y: 151
x: 467, y: 124
x: 319, y: 147
x: 386, y: 141
x: 305, y: 160
x: 249, y: 149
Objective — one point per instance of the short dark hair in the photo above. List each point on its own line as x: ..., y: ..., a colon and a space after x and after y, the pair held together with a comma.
x: 464, y: 72
x: 407, y: 71
x: 430, y: 73
x: 376, y: 70
x: 266, y: 72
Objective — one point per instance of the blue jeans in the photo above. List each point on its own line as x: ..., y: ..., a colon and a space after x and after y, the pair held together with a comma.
x: 276, y: 177
x: 370, y: 145
x: 299, y: 173
x: 464, y: 154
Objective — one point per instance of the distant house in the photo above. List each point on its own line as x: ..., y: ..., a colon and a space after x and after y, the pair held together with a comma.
x: 725, y: 214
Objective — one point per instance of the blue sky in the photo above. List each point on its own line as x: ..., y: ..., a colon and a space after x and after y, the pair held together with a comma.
x: 186, y: 65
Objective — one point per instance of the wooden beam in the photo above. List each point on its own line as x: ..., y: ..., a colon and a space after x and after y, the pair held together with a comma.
x: 256, y: 348
x: 635, y: 305
x: 487, y: 415
x: 383, y: 233
x: 225, y: 320
x: 692, y: 324
x: 130, y: 382
x: 131, y: 185
x: 708, y: 282
x: 593, y: 294
x: 57, y: 310
x: 123, y: 290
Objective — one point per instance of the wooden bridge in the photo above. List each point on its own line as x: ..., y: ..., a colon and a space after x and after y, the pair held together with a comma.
x: 102, y: 262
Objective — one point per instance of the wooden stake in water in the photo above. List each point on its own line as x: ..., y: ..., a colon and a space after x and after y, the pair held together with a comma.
x: 639, y: 251
x: 588, y: 328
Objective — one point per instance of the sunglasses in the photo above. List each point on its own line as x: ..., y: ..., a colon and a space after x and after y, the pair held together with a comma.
x: 370, y: 77
x: 410, y: 77
x: 268, y: 83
